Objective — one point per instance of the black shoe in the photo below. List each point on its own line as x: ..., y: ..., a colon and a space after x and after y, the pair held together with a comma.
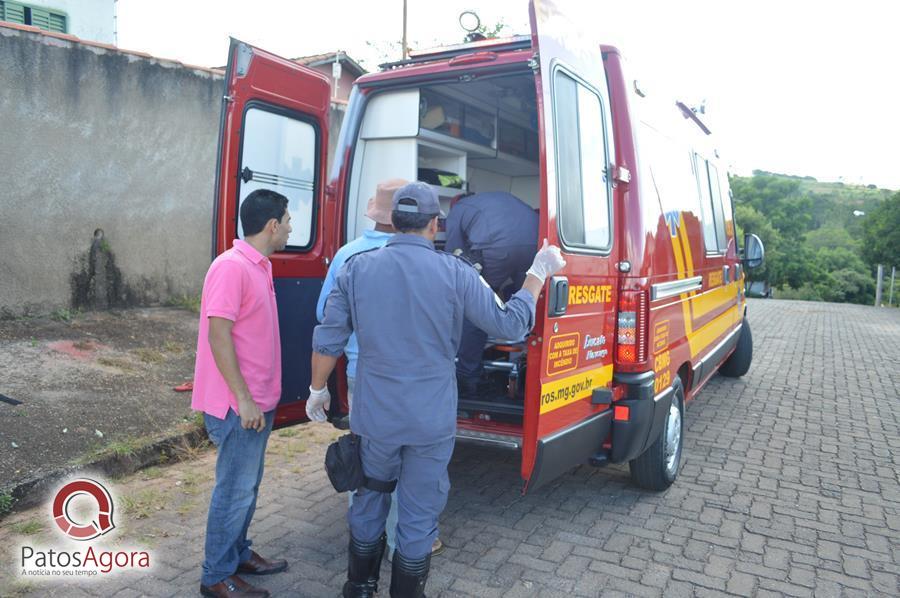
x: 408, y: 577
x: 364, y: 567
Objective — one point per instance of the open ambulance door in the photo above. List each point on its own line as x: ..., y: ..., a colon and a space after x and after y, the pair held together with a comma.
x: 568, y: 410
x: 274, y: 135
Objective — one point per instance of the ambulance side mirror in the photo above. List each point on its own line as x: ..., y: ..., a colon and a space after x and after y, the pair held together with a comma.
x: 754, y: 252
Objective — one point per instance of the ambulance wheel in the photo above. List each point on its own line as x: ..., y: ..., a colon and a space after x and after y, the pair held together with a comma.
x: 738, y: 362
x: 657, y: 467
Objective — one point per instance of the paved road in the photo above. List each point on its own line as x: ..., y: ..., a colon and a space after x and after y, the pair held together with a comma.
x: 789, y: 487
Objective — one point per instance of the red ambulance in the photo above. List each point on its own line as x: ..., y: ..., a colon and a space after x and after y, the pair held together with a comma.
x: 651, y: 302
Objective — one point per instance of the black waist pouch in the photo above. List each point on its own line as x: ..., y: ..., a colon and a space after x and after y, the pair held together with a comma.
x: 344, y: 467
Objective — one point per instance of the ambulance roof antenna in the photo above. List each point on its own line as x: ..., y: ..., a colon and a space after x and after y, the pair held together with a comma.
x: 469, y: 21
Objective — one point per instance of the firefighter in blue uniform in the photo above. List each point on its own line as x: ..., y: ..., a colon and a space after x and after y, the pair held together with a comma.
x: 406, y: 302
x: 499, y: 231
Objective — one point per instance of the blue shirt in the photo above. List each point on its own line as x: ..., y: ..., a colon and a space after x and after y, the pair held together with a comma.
x: 406, y: 303
x: 488, y: 220
x: 370, y: 239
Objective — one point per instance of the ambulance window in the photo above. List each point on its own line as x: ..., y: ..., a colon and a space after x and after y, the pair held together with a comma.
x: 717, y: 207
x: 279, y: 153
x: 709, y: 224
x: 581, y: 165
x: 728, y: 209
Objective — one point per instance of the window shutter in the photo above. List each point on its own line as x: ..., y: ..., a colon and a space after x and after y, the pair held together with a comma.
x: 12, y: 12
x: 40, y: 19
x: 57, y: 23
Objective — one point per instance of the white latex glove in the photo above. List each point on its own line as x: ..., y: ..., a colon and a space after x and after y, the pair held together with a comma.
x: 315, y: 404
x: 547, y: 262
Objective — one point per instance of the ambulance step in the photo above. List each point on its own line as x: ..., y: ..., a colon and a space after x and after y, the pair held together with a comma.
x: 489, y: 439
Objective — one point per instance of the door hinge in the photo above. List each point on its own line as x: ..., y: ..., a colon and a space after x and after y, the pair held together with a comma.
x: 621, y: 174
x: 535, y: 63
x: 228, y: 99
x: 243, y: 59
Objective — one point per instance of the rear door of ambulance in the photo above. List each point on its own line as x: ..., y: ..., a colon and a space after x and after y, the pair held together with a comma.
x: 567, y: 404
x: 274, y: 135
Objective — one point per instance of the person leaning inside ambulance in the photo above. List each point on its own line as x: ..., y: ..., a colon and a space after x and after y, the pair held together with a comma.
x: 237, y: 384
x: 406, y: 303
x: 499, y: 231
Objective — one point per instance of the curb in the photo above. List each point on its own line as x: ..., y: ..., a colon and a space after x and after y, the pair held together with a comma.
x: 31, y: 492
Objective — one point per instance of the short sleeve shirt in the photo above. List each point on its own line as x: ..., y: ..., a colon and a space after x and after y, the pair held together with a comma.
x: 239, y: 287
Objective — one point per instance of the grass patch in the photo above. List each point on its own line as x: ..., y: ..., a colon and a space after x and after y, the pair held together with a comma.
x: 125, y: 447
x: 173, y: 347
x: 188, y: 302
x: 64, y: 315
x: 288, y: 432
x: 186, y: 508
x: 149, y: 355
x: 152, y: 473
x: 186, y: 452
x: 116, y: 362
x: 28, y: 528
x: 6, y: 503
x: 143, y: 504
x: 190, y: 482
x: 293, y: 448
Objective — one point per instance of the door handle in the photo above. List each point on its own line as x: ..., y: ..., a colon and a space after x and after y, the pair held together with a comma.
x: 725, y: 271
x: 559, y: 296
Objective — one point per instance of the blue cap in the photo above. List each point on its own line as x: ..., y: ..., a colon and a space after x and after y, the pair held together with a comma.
x: 426, y: 200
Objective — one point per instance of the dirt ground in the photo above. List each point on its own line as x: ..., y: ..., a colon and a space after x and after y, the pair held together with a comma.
x: 91, y: 383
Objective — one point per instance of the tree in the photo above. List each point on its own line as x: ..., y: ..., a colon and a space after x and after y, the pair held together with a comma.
x: 881, y: 233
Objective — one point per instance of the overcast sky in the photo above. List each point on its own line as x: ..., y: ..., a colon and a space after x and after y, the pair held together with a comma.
x: 800, y: 87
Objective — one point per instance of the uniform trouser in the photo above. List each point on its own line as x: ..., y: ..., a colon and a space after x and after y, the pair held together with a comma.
x: 422, y: 488
x: 500, y: 265
x: 239, y: 470
x: 391, y: 525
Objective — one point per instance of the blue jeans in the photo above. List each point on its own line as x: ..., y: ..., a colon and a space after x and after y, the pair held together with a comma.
x: 239, y: 470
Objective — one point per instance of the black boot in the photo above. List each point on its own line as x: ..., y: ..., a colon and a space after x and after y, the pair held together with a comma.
x: 408, y: 577
x: 364, y: 567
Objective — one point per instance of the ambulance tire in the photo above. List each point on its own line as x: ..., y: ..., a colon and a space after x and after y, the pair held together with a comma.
x: 658, y: 466
x: 738, y: 363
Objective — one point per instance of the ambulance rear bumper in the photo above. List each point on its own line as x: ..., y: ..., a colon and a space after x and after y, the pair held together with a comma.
x: 646, y: 415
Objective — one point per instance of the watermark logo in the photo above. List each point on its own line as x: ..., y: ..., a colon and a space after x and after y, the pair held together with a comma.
x: 79, y: 531
x: 82, y: 510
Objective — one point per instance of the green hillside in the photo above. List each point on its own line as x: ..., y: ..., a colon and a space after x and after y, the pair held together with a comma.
x: 817, y: 248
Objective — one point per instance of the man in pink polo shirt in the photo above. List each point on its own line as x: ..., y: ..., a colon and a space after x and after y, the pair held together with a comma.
x: 237, y: 384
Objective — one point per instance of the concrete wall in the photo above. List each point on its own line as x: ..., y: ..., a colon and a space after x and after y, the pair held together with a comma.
x: 96, y: 139
x: 93, y: 20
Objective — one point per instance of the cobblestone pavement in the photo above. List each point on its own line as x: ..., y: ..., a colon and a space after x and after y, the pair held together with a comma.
x: 789, y: 486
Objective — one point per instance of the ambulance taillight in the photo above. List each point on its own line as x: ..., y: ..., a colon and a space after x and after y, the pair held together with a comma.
x: 631, y: 330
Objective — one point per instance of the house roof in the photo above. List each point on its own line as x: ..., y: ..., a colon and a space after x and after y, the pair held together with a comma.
x: 328, y: 58
x: 49, y: 37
